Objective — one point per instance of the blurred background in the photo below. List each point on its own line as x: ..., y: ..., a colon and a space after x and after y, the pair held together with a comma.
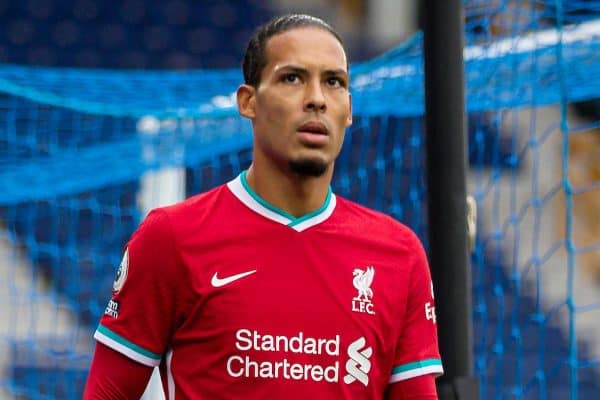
x: 108, y: 109
x: 179, y: 34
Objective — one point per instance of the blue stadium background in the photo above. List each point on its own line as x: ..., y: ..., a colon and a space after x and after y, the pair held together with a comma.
x: 177, y: 34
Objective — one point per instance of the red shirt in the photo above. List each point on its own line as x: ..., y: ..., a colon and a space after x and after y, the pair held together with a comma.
x: 234, y: 298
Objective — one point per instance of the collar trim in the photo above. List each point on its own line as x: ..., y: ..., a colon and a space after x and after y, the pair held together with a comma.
x: 242, y: 190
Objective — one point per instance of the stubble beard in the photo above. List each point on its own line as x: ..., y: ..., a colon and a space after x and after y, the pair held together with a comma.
x: 308, y: 168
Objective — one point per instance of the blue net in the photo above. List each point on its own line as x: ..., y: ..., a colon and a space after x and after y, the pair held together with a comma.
x: 85, y: 153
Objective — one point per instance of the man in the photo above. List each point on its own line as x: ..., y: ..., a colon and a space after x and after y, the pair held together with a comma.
x: 271, y: 287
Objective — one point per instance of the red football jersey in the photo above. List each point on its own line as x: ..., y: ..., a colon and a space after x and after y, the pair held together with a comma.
x: 234, y: 298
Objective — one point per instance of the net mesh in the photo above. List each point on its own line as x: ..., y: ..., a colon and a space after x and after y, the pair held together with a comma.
x: 85, y: 153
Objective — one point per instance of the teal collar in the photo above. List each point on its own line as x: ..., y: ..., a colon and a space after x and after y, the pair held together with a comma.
x: 242, y: 190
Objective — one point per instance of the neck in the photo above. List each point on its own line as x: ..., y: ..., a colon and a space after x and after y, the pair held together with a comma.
x: 295, y: 194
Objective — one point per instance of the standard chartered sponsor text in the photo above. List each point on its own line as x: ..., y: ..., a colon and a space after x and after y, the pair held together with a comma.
x: 243, y: 365
x: 238, y: 366
x: 253, y: 340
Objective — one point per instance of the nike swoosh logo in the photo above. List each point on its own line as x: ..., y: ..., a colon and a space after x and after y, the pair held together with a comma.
x: 218, y: 282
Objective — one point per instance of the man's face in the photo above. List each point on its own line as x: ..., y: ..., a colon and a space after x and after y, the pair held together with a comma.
x: 301, y: 107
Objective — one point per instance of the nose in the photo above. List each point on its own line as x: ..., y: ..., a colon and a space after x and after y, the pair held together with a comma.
x: 315, y: 98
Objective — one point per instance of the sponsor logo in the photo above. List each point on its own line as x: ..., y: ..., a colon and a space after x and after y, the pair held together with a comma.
x: 358, y: 365
x: 429, y: 309
x: 362, y: 281
x: 248, y: 363
x: 219, y: 282
x: 121, y: 272
x: 112, y: 309
x: 430, y: 312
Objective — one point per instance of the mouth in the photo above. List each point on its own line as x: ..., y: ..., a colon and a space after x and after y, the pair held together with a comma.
x: 313, y: 134
x: 314, y: 127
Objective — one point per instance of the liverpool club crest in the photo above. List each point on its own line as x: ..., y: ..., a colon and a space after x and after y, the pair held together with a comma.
x: 363, y: 301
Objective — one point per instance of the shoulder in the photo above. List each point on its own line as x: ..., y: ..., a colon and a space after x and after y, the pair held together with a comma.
x: 196, y: 204
x: 376, y: 223
x: 189, y: 215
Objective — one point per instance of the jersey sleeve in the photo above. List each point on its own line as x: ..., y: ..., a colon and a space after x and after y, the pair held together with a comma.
x: 417, y: 351
x: 145, y: 305
x: 418, y: 388
x: 113, y: 376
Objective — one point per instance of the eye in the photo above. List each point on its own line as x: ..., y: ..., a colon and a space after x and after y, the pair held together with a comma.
x: 336, y: 82
x: 291, y: 78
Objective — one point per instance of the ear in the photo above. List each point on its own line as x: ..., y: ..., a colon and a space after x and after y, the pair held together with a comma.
x: 349, y: 119
x: 246, y: 101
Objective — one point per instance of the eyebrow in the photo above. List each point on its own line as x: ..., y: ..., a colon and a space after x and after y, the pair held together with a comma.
x: 338, y: 71
x: 302, y: 70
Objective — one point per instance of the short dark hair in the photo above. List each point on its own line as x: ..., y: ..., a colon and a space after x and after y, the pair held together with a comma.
x: 255, y: 58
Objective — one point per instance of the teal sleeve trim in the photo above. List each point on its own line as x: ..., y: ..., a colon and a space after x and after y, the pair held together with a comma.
x: 132, y: 346
x: 416, y: 365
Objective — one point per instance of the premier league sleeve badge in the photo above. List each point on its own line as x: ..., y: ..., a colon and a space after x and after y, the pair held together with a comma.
x: 121, y: 273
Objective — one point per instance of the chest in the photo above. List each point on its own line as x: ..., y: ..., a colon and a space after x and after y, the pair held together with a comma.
x: 287, y: 283
x: 320, y: 312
